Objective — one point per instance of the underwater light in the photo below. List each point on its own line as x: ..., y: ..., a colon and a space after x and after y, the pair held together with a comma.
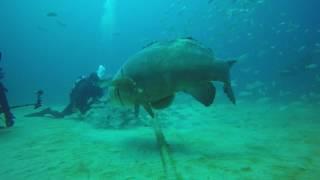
x: 108, y: 20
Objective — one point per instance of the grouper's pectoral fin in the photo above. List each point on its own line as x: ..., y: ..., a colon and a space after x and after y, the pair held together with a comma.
x: 163, y: 103
x: 148, y: 108
x: 204, y: 93
x: 136, y: 110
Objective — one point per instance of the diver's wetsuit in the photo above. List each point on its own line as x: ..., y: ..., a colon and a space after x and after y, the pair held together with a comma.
x: 5, y: 108
x: 83, y: 95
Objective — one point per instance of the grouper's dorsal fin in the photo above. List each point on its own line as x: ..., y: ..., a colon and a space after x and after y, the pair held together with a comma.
x: 204, y: 93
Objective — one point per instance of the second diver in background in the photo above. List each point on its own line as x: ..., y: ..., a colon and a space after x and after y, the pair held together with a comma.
x: 85, y: 92
x: 5, y: 108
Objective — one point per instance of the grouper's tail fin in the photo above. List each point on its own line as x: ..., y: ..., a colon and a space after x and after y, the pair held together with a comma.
x: 227, y: 85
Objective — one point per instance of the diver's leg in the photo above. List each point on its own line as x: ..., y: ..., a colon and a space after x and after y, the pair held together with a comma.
x: 40, y: 113
x: 5, y: 107
x: 47, y: 111
x: 67, y: 110
x: 56, y: 114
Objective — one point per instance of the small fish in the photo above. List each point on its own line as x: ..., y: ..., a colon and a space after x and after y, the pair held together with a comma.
x: 314, y: 95
x: 261, y: 53
x: 42, y: 29
x: 301, y: 48
x: 283, y: 108
x: 317, y: 48
x: 61, y: 24
x: 311, y: 66
x: 284, y: 93
x: 254, y: 85
x: 243, y: 57
x: 256, y: 72
x: 264, y: 100
x: 116, y: 34
x: 52, y: 14
x: 245, y: 93
x: 285, y: 72
x: 246, y: 70
x: 234, y: 84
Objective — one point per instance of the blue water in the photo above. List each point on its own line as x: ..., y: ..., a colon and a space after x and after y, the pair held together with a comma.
x: 272, y: 132
x: 49, y: 53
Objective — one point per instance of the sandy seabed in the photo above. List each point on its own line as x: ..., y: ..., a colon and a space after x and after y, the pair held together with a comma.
x: 247, y: 141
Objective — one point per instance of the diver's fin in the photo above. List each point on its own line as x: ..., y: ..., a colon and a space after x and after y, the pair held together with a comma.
x: 136, y: 110
x: 39, y: 114
x: 204, y: 93
x: 229, y: 92
x: 148, y: 108
x: 163, y: 103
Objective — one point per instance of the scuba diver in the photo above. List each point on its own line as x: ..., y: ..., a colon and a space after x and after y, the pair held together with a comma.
x: 85, y: 92
x: 5, y: 108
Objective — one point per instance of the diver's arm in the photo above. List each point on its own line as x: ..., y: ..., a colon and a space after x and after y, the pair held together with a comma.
x: 1, y: 72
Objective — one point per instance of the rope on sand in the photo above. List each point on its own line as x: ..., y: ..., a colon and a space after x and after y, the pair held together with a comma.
x: 168, y: 163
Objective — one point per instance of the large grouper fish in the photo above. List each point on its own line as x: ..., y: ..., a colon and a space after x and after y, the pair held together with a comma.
x: 153, y: 76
